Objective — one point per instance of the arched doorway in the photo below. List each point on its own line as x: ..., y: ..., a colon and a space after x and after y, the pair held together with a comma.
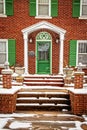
x: 43, y: 53
x: 49, y: 26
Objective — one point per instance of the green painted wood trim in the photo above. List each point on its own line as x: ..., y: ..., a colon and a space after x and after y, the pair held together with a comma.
x: 54, y: 8
x: 11, y: 51
x: 9, y: 7
x: 32, y: 9
x: 76, y: 8
x: 73, y: 50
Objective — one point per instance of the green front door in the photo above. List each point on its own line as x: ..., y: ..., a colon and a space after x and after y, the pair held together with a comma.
x: 43, y: 57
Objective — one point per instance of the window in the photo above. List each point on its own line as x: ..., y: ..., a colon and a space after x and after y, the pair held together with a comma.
x: 43, y: 8
x: 80, y: 9
x: 2, y: 6
x: 7, y: 51
x: 84, y: 8
x: 78, y: 52
x: 6, y: 8
x: 3, y: 52
x: 82, y: 52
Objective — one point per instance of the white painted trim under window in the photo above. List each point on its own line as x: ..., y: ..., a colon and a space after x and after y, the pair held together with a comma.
x: 6, y: 42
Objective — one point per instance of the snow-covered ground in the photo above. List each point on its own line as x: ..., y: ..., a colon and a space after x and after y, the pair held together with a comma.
x: 28, y: 121
x: 23, y: 120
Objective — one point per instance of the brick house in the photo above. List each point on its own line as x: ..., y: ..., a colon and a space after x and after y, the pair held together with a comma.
x: 43, y: 35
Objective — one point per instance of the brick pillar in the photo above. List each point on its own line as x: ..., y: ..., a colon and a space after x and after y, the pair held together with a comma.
x: 78, y: 80
x: 7, y: 78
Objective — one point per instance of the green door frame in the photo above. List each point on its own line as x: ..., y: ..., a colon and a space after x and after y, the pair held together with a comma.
x: 44, y: 37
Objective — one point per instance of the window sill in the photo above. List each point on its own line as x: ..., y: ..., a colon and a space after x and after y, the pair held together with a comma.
x: 83, y: 17
x: 3, y: 15
x: 43, y: 17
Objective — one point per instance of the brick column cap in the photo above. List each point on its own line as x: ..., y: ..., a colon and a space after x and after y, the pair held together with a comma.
x: 7, y: 71
x: 79, y: 73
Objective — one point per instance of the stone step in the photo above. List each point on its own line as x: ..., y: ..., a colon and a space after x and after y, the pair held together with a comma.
x: 43, y: 94
x: 44, y: 76
x: 41, y: 79
x: 33, y: 83
x: 45, y: 106
x: 42, y: 100
x: 46, y: 80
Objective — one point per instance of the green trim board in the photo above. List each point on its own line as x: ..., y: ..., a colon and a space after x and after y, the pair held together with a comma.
x: 32, y: 4
x: 12, y: 51
x: 76, y: 8
x: 54, y: 8
x: 73, y: 50
x: 9, y: 7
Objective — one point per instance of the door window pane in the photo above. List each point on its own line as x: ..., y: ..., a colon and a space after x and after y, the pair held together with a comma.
x: 43, y: 51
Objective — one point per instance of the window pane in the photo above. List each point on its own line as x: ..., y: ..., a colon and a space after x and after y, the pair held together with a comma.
x: 84, y: 10
x: 1, y: 6
x: 43, y: 51
x: 43, y: 7
x: 82, y: 52
x: 84, y: 1
x: 2, y: 58
x: 82, y: 48
x: 2, y: 47
x: 1, y: 9
x: 43, y: 10
x: 2, y: 52
x: 43, y: 1
x: 82, y: 58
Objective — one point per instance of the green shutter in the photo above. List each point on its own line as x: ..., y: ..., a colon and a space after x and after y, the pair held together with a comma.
x: 32, y: 8
x: 11, y: 52
x: 72, y: 56
x: 76, y: 8
x: 9, y: 7
x: 54, y: 8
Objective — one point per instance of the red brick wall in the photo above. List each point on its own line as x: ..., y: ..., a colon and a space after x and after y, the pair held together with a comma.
x: 11, y: 27
x: 78, y: 103
x: 8, y: 103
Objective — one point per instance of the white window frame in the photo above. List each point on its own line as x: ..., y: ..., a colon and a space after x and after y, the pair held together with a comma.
x: 79, y: 41
x: 4, y: 14
x: 82, y: 16
x: 41, y: 16
x: 6, y: 42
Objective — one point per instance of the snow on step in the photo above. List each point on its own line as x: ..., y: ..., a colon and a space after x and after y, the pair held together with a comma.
x: 33, y: 79
x: 37, y: 104
x: 42, y: 93
x: 43, y: 83
x: 40, y: 98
